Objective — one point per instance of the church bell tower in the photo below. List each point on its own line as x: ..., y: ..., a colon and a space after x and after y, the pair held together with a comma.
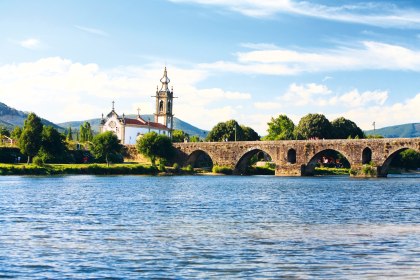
x: 164, y: 104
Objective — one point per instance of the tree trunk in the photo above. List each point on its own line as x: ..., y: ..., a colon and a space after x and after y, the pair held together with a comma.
x: 107, y: 162
x: 29, y: 160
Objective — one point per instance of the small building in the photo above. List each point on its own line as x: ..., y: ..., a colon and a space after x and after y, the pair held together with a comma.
x: 129, y: 129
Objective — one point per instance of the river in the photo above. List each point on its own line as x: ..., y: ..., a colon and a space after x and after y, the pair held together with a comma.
x: 209, y: 227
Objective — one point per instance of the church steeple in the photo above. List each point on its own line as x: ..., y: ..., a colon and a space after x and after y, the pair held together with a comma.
x: 165, y: 81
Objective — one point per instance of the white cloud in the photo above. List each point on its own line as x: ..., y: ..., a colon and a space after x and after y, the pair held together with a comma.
x: 356, y: 99
x: 91, y: 30
x: 62, y: 90
x: 30, y: 43
x: 368, y: 56
x: 370, y: 13
x: 406, y: 111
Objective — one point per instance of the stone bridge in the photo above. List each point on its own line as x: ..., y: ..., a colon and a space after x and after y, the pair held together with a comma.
x: 298, y: 157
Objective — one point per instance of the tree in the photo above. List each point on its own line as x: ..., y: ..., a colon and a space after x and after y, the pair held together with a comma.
x: 30, y: 139
x: 105, y: 145
x: 4, y: 131
x: 226, y: 131
x: 280, y: 128
x: 344, y: 128
x: 53, y: 149
x: 86, y: 132
x: 69, y: 136
x: 155, y: 146
x: 313, y: 125
x: 250, y: 134
x: 194, y: 138
x: 16, y: 132
x: 179, y: 136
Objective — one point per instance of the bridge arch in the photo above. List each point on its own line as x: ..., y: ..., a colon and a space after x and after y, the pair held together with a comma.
x: 243, y: 161
x: 384, y: 167
x: 366, y: 155
x: 309, y: 168
x: 291, y: 156
x: 199, y: 158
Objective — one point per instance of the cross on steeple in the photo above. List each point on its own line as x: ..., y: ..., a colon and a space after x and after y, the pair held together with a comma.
x: 138, y: 111
x: 113, y: 103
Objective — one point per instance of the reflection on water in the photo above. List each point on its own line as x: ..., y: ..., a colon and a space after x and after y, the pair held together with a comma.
x: 209, y: 227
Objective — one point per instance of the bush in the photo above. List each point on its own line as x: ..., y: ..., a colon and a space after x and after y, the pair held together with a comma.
x: 222, y: 170
x: 11, y: 154
x: 38, y: 161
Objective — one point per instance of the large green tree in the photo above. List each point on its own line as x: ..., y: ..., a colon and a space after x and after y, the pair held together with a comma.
x: 250, y: 134
x: 313, y: 126
x: 53, y: 148
x: 344, y: 128
x: 280, y: 128
x: 155, y: 146
x: 105, y: 146
x: 231, y: 130
x: 31, y: 137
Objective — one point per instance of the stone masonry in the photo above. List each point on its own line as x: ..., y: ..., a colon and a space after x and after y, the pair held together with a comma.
x: 298, y: 157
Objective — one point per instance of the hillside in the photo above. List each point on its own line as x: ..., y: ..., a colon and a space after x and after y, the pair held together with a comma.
x: 178, y: 124
x: 10, y: 117
x: 410, y: 130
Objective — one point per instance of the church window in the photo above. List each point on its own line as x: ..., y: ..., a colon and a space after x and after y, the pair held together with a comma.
x: 161, y: 106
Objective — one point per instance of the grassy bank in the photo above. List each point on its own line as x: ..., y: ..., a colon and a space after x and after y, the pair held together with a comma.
x: 331, y: 171
x: 92, y: 169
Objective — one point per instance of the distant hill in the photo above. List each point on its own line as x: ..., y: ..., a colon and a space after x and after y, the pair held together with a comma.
x: 178, y: 124
x: 10, y: 117
x: 409, y: 130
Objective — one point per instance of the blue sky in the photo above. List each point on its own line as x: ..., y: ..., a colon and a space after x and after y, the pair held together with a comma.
x: 247, y: 60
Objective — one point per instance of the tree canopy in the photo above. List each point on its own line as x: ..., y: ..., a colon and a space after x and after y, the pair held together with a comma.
x: 53, y: 148
x: 230, y: 130
x: 86, y: 133
x: 4, y: 131
x: 179, y: 136
x: 343, y: 128
x: 280, y: 128
x: 31, y: 136
x: 155, y: 146
x: 106, y: 145
x: 314, y: 126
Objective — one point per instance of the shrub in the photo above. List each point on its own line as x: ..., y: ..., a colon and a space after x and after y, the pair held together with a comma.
x: 38, y: 161
x: 222, y: 169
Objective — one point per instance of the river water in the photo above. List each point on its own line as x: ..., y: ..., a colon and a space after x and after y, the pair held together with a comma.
x: 209, y: 227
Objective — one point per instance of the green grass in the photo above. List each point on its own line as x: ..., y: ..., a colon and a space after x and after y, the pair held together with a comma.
x: 331, y: 171
x: 92, y: 169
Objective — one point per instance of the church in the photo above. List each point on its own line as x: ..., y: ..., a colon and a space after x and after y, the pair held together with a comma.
x: 129, y: 129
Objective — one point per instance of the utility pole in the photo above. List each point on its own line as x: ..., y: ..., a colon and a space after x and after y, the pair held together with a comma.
x: 235, y: 131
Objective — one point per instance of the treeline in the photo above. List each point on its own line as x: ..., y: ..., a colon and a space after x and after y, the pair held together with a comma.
x: 45, y: 144
x: 311, y: 126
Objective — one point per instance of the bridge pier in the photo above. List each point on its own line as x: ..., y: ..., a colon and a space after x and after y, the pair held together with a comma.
x: 292, y: 170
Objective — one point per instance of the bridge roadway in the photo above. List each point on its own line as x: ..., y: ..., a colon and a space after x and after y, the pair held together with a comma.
x: 298, y: 157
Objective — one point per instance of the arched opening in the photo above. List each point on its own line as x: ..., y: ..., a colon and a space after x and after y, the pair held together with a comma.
x: 200, y: 159
x: 161, y: 106
x: 291, y: 156
x: 366, y: 156
x: 255, y: 162
x: 327, y: 162
x: 400, y: 161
